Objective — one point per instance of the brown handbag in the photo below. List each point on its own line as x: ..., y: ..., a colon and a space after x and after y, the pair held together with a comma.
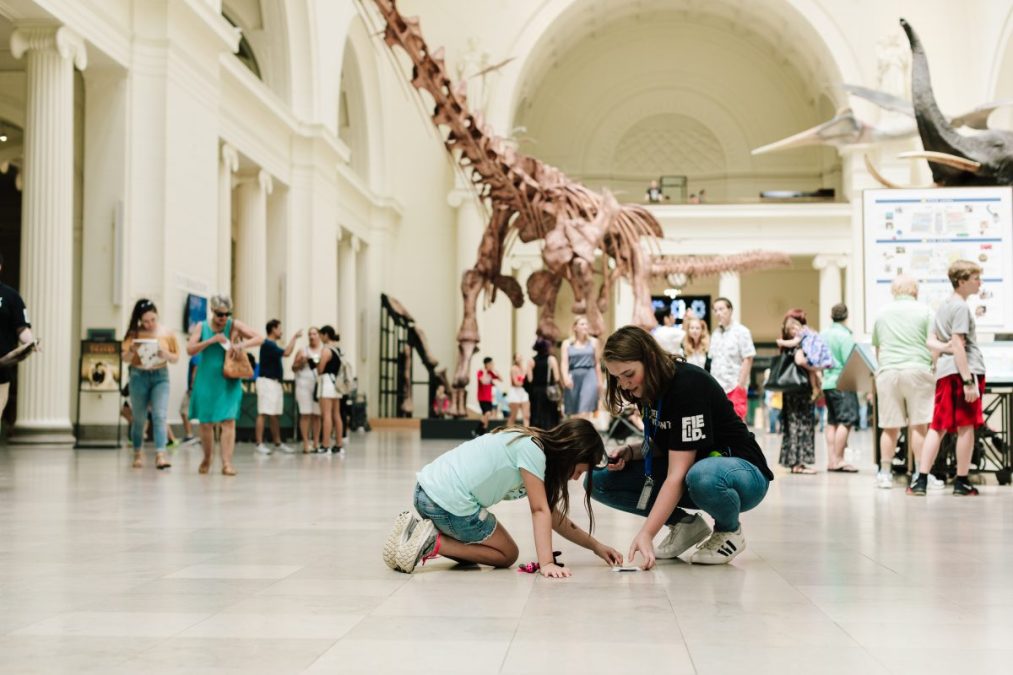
x: 237, y: 365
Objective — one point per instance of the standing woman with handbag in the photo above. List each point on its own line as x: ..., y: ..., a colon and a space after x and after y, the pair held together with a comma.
x: 149, y: 347
x: 329, y: 397
x: 544, y: 377
x: 798, y: 439
x: 217, y: 389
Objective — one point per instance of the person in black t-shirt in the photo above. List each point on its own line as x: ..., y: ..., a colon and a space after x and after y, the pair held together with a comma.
x: 270, y: 398
x: 15, y: 330
x: 702, y: 454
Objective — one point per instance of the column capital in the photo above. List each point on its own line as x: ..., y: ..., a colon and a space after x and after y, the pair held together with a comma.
x: 230, y: 157
x: 65, y: 42
x: 265, y: 181
x: 356, y: 244
x: 823, y: 261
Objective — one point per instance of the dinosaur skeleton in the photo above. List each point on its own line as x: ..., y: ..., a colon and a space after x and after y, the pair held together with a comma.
x: 533, y: 200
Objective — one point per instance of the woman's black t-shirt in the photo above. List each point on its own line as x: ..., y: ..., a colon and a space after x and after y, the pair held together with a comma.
x: 697, y: 415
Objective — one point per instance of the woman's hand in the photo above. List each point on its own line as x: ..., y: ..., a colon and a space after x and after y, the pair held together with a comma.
x: 222, y: 339
x: 623, y: 455
x: 554, y: 571
x: 643, y: 544
x: 567, y: 382
x: 607, y: 553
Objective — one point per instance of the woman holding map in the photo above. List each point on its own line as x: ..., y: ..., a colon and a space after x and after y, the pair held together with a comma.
x: 148, y: 348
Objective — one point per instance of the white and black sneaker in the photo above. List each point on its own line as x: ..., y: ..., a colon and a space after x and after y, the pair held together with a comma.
x: 263, y: 449
x: 720, y: 549
x: 682, y: 536
x: 402, y: 530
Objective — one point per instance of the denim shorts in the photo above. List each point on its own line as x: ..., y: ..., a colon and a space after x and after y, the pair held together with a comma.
x: 472, y: 529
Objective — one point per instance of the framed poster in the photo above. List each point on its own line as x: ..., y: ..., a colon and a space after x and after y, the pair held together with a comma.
x: 194, y: 311
x: 921, y: 232
x: 100, y: 365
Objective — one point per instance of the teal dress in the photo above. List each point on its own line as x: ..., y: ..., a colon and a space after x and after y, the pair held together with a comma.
x: 215, y: 398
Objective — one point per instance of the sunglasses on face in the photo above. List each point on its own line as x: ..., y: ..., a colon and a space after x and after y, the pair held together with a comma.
x: 222, y: 315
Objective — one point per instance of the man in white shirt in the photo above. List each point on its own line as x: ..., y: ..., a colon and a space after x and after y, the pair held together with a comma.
x: 731, y: 353
x: 668, y: 335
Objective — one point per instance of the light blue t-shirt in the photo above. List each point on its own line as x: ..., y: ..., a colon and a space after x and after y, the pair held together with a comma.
x: 482, y: 472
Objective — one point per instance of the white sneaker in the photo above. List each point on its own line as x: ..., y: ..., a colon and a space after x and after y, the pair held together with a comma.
x: 263, y: 449
x: 884, y: 480
x: 720, y: 549
x: 284, y: 448
x: 403, y: 526
x: 933, y: 484
x: 682, y: 536
x: 412, y: 551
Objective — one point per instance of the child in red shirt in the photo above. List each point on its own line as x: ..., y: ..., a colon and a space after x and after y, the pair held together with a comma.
x: 486, y: 376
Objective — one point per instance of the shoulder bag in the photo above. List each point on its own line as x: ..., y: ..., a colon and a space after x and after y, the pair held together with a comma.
x: 785, y: 375
x: 237, y: 365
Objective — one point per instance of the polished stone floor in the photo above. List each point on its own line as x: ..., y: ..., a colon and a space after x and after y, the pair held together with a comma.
x: 107, y: 569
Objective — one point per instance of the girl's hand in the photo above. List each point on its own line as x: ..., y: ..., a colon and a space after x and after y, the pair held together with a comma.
x: 608, y: 554
x: 554, y: 571
x: 645, y: 545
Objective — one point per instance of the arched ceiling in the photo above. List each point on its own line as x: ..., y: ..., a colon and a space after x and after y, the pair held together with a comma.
x: 728, y: 76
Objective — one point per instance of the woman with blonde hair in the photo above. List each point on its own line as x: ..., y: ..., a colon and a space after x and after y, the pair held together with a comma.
x: 581, y: 375
x: 215, y: 399
x: 305, y: 366
x: 696, y: 342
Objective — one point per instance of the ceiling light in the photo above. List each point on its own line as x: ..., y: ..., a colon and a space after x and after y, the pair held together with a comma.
x: 3, y: 137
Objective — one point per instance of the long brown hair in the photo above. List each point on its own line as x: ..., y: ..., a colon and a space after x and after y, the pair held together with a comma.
x: 569, y: 443
x: 632, y: 343
x: 141, y: 307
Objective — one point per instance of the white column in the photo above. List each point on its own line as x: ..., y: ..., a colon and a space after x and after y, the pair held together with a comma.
x: 44, y: 394
x: 525, y: 318
x: 829, y: 267
x: 227, y: 165
x: 730, y: 286
x: 348, y: 307
x: 251, y: 250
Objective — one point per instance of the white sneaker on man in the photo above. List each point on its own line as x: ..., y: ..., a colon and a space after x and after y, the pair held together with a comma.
x: 263, y: 449
x: 884, y: 480
x: 284, y: 448
x: 720, y: 549
x: 682, y: 536
x: 933, y: 484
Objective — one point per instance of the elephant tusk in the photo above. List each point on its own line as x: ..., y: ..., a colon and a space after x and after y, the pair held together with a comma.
x: 874, y: 172
x: 945, y: 158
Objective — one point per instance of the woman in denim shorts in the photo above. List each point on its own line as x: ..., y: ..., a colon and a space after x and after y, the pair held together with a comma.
x: 454, y: 493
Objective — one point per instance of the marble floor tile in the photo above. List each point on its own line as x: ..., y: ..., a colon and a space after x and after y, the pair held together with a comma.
x: 105, y: 569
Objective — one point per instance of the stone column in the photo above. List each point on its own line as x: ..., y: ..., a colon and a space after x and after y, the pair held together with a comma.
x: 348, y: 308
x: 251, y: 250
x: 228, y: 164
x: 730, y: 286
x: 829, y: 267
x: 44, y: 391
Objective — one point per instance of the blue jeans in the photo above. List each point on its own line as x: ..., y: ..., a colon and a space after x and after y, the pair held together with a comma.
x: 149, y: 388
x: 724, y: 487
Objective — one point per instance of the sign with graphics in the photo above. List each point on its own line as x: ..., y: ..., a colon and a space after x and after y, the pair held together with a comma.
x: 921, y: 232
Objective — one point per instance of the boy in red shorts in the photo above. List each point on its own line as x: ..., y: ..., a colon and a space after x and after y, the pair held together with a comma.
x: 960, y: 380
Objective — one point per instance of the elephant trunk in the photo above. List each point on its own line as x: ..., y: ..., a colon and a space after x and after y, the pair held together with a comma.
x: 936, y: 133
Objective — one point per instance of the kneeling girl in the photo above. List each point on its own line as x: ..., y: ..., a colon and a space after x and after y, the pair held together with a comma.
x: 454, y: 492
x: 697, y: 454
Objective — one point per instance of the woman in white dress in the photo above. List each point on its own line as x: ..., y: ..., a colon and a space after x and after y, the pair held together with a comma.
x: 517, y: 397
x: 305, y: 367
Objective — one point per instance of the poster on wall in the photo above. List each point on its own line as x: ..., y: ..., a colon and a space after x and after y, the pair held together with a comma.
x: 194, y: 311
x: 679, y: 306
x: 921, y: 232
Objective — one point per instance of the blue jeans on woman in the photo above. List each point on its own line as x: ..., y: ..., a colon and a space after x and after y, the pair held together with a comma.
x: 149, y: 388
x: 724, y: 487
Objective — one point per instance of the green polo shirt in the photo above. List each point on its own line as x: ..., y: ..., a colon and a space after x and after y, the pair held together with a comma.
x: 840, y: 342
x: 900, y: 332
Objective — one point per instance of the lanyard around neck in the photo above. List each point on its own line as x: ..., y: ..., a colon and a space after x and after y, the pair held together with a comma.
x: 650, y: 429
